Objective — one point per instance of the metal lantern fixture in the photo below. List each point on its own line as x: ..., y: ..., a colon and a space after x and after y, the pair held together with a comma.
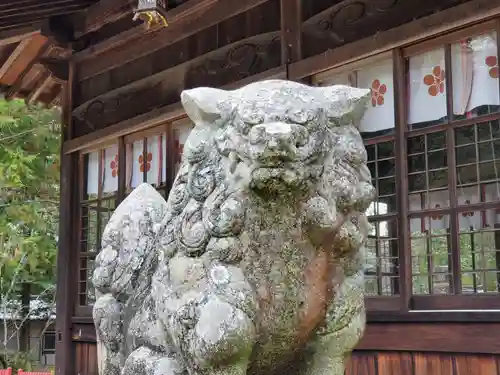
x: 152, y: 11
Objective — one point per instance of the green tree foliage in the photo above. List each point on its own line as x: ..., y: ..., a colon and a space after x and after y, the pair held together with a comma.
x: 29, y: 197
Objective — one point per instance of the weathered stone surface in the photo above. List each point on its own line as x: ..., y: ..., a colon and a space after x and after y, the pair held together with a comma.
x: 254, y: 265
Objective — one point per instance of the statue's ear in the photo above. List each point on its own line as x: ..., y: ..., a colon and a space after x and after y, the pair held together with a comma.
x: 346, y: 103
x: 202, y: 103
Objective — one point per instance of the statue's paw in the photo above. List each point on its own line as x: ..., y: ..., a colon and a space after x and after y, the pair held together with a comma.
x: 348, y: 239
x: 107, y: 311
x: 319, y: 213
x: 223, y: 333
x: 144, y: 361
x: 356, y: 199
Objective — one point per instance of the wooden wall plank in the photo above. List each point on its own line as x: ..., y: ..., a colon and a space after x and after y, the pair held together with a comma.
x: 435, y: 364
x: 475, y: 365
x: 362, y: 364
x: 394, y: 363
x: 470, y: 338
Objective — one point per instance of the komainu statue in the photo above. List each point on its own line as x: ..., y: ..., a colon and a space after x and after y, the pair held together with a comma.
x: 254, y: 265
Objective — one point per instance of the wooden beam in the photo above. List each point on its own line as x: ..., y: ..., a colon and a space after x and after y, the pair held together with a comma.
x: 57, y: 67
x: 21, y: 59
x: 13, y: 57
x: 16, y: 38
x: 56, y: 98
x: 291, y: 38
x: 412, y: 32
x: 18, y: 34
x: 428, y: 337
x: 43, y: 82
x: 156, y: 117
x: 105, y: 12
x: 163, y: 75
x: 139, y: 31
x: 17, y: 85
x: 185, y: 20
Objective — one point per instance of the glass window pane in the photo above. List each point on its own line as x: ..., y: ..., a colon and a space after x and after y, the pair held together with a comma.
x: 381, y: 260
x: 382, y: 166
x: 428, y: 171
x: 431, y: 255
x: 480, y: 251
x: 477, y: 156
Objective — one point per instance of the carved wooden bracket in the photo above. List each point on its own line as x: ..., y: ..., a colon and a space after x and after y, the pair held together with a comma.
x: 59, y: 69
x: 241, y: 61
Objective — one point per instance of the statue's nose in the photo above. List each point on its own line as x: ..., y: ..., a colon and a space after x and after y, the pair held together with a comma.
x: 279, y: 136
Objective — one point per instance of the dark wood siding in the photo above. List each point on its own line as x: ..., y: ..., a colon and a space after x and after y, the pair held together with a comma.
x: 417, y: 363
x: 86, y: 358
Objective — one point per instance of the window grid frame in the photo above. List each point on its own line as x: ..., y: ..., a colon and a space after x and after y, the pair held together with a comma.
x: 82, y: 306
x: 406, y: 300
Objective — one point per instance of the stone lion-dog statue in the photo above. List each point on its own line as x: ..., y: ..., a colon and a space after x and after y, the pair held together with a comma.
x: 254, y: 264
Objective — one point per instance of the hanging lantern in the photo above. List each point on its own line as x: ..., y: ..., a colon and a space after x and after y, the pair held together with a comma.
x: 152, y: 12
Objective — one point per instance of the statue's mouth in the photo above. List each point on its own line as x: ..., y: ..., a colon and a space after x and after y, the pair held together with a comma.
x: 277, y: 176
x: 274, y: 172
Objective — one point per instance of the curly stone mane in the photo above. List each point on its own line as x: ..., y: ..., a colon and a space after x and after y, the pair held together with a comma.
x: 203, y: 208
x: 207, y: 213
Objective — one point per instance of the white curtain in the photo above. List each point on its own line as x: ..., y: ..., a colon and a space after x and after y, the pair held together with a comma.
x: 153, y: 162
x: 93, y: 173
x: 427, y: 87
x: 475, y: 73
x: 155, y: 159
x: 380, y: 111
x: 109, y: 172
x: 110, y: 165
x: 135, y: 155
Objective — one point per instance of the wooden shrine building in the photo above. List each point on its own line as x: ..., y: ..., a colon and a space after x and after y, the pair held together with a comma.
x: 432, y: 133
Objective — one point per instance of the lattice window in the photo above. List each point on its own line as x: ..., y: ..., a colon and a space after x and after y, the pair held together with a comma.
x: 98, y: 201
x: 150, y: 157
x: 377, y: 128
x: 432, y: 135
x: 452, y: 167
x: 382, y: 270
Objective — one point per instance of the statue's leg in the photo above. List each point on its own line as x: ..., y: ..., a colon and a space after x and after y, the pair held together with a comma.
x: 215, y: 332
x: 344, y: 326
x: 145, y: 361
x: 222, y: 340
x: 107, y: 314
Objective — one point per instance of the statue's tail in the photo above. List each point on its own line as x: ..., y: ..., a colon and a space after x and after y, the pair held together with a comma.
x: 122, y: 276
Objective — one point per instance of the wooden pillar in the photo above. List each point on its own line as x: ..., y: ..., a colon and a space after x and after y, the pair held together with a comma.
x: 67, y: 249
x: 291, y: 23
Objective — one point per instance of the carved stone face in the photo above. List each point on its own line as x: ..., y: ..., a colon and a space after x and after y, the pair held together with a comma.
x: 274, y: 136
x: 280, y: 151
